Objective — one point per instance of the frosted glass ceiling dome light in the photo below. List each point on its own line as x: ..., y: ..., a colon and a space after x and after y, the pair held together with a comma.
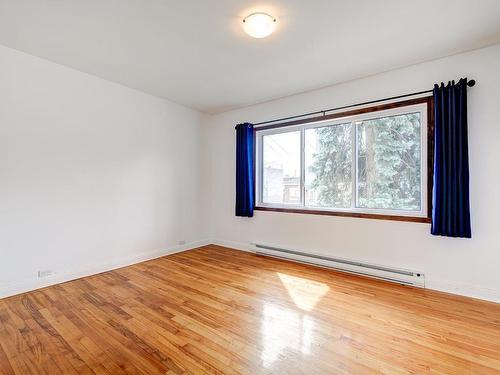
x: 259, y: 25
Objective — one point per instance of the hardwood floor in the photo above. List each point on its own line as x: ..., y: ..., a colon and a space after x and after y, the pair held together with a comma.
x: 219, y: 311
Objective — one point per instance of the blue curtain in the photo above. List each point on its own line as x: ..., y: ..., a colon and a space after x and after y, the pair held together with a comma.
x: 450, y: 198
x: 245, y: 194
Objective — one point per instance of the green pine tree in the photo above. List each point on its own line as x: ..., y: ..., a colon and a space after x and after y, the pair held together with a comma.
x: 388, y: 163
x: 332, y: 166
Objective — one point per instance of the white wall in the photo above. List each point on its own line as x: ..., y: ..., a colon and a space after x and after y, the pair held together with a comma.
x: 93, y: 175
x: 469, y: 267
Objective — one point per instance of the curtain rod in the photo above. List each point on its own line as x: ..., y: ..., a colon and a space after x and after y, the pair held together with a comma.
x: 470, y: 83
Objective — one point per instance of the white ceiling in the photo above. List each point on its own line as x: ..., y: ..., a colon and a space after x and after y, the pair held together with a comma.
x: 194, y: 52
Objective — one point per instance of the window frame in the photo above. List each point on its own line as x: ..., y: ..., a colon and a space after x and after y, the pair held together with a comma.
x: 425, y: 105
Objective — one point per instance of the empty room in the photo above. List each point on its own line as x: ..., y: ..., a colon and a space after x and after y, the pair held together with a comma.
x: 225, y: 187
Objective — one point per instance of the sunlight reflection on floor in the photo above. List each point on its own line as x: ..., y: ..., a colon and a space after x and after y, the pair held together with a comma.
x: 305, y: 293
x: 289, y: 329
x: 284, y: 329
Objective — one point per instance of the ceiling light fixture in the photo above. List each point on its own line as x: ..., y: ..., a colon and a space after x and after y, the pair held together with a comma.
x: 259, y: 25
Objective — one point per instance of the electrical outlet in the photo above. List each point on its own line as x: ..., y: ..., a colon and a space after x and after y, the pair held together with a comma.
x: 182, y: 242
x: 45, y: 273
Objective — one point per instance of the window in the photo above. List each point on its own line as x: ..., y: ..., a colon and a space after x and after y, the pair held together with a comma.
x: 372, y: 161
x: 281, y: 168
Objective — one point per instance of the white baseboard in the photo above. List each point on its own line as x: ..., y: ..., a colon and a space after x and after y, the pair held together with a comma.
x: 453, y: 287
x: 447, y: 286
x: 464, y: 289
x: 35, y: 283
x: 234, y: 245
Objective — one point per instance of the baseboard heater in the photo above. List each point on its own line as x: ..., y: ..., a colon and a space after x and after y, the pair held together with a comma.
x: 394, y: 275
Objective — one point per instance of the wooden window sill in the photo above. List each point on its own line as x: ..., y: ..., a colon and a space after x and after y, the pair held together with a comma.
x: 413, y: 219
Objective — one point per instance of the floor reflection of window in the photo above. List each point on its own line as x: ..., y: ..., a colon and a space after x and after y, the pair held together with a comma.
x: 284, y: 330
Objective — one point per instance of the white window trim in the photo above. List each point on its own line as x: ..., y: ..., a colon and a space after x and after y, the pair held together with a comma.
x: 421, y: 108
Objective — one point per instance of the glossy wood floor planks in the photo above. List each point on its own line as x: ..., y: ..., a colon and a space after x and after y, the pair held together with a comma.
x: 214, y: 310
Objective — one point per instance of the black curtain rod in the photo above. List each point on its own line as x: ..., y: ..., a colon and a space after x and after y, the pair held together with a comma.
x: 470, y: 83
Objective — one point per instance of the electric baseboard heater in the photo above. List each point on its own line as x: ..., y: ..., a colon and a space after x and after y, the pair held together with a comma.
x: 394, y: 275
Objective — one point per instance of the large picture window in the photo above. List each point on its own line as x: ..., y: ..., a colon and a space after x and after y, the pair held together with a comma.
x: 372, y: 161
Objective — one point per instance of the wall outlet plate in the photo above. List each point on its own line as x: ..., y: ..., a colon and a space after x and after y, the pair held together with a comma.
x: 45, y: 273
